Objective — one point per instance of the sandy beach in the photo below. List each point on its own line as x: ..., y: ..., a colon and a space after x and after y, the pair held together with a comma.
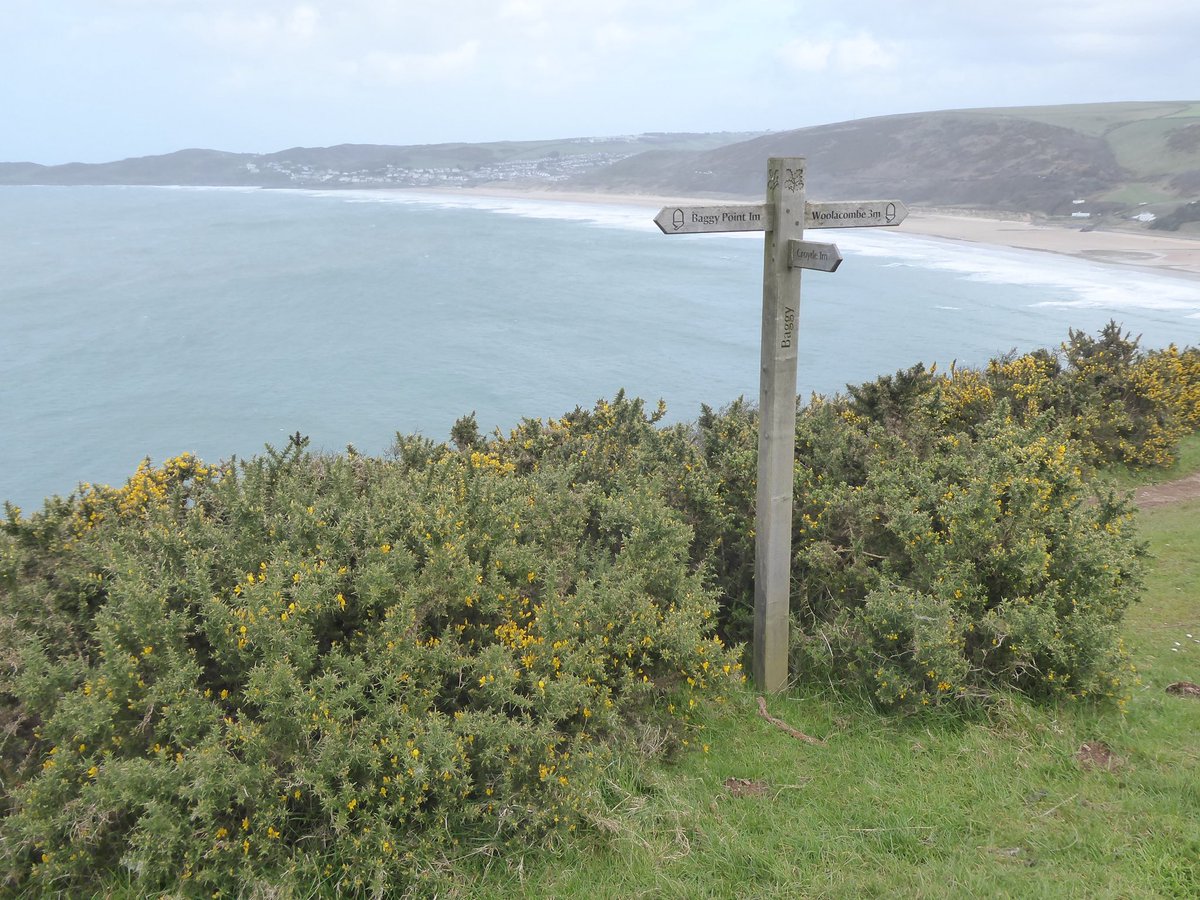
x: 1159, y: 252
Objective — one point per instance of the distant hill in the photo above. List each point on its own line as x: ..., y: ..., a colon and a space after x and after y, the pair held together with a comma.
x: 953, y: 159
x: 1117, y: 158
x: 1100, y: 164
x: 374, y: 165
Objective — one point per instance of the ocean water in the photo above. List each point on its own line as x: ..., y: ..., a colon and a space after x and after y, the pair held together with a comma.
x: 138, y: 321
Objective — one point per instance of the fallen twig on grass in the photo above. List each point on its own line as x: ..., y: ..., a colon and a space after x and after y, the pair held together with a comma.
x: 779, y: 723
x: 1055, y: 806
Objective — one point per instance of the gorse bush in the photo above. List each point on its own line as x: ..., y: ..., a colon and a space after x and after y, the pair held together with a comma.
x: 944, y: 568
x: 946, y: 543
x: 937, y: 568
x: 1103, y: 391
x: 344, y: 671
x: 1118, y: 403
x: 334, y: 668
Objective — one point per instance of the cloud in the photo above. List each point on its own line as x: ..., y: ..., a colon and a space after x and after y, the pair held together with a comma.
x: 240, y: 30
x: 521, y: 9
x: 302, y: 24
x: 243, y: 71
x: 844, y: 55
x: 806, y: 54
x: 615, y: 36
x: 397, y: 69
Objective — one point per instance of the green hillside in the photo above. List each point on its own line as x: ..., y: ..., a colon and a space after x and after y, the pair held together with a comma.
x: 1120, y: 159
x: 1157, y: 143
x: 1103, y: 164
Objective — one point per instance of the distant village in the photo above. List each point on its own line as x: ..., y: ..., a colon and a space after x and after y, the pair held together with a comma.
x: 554, y: 167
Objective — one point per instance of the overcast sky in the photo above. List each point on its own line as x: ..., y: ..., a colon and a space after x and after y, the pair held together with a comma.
x: 94, y: 80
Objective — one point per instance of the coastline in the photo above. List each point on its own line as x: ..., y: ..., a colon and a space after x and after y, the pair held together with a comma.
x: 1162, y: 254
x: 1167, y: 255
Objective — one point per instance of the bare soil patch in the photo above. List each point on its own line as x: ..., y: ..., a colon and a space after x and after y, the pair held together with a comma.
x: 1153, y: 495
x: 1184, y: 689
x: 745, y: 787
x: 1098, y: 755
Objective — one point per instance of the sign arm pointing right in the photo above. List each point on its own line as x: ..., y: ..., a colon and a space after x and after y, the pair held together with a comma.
x: 854, y: 214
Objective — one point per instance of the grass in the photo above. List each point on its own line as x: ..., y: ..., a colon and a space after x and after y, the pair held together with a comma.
x: 1187, y: 461
x: 1139, y: 194
x: 1142, y: 147
x: 1136, y: 133
x: 916, y: 807
x: 1092, y: 119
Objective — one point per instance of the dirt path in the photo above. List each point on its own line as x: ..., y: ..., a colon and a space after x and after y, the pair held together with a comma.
x: 1153, y: 495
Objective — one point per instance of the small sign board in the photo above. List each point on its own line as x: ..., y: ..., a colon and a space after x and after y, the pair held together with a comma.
x: 811, y: 255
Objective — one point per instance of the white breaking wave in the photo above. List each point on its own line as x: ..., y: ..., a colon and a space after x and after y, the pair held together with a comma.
x: 1069, y: 282
x: 1072, y: 283
x: 227, y: 188
x: 638, y: 218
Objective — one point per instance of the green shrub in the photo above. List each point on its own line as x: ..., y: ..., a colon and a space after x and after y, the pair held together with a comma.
x: 617, y: 442
x: 1122, y: 404
x: 1118, y: 403
x: 333, y: 669
x: 943, y: 569
x: 935, y: 566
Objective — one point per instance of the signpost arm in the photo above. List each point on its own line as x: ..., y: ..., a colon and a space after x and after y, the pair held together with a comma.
x: 777, y: 424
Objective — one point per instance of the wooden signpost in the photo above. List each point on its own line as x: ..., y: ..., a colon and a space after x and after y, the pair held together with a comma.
x: 783, y: 217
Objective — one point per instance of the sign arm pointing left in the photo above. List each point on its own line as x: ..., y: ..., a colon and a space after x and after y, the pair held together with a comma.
x: 706, y: 219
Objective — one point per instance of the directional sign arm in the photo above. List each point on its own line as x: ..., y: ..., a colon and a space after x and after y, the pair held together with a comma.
x: 854, y: 214
x: 707, y: 219
x: 811, y: 255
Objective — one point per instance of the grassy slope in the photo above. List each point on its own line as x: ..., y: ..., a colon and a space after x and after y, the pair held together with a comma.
x: 1187, y: 461
x: 1093, y: 118
x: 1001, y: 158
x: 1137, y: 135
x: 1135, y: 131
x: 920, y: 807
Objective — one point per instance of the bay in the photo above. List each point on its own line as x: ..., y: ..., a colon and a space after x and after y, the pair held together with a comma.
x: 139, y: 321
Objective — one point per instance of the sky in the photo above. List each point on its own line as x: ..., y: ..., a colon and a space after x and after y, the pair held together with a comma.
x: 98, y: 80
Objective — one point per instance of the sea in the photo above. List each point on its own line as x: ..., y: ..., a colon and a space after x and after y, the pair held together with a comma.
x: 146, y: 321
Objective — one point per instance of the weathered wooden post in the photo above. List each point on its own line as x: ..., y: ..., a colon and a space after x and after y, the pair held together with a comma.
x: 783, y: 218
x: 777, y: 425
